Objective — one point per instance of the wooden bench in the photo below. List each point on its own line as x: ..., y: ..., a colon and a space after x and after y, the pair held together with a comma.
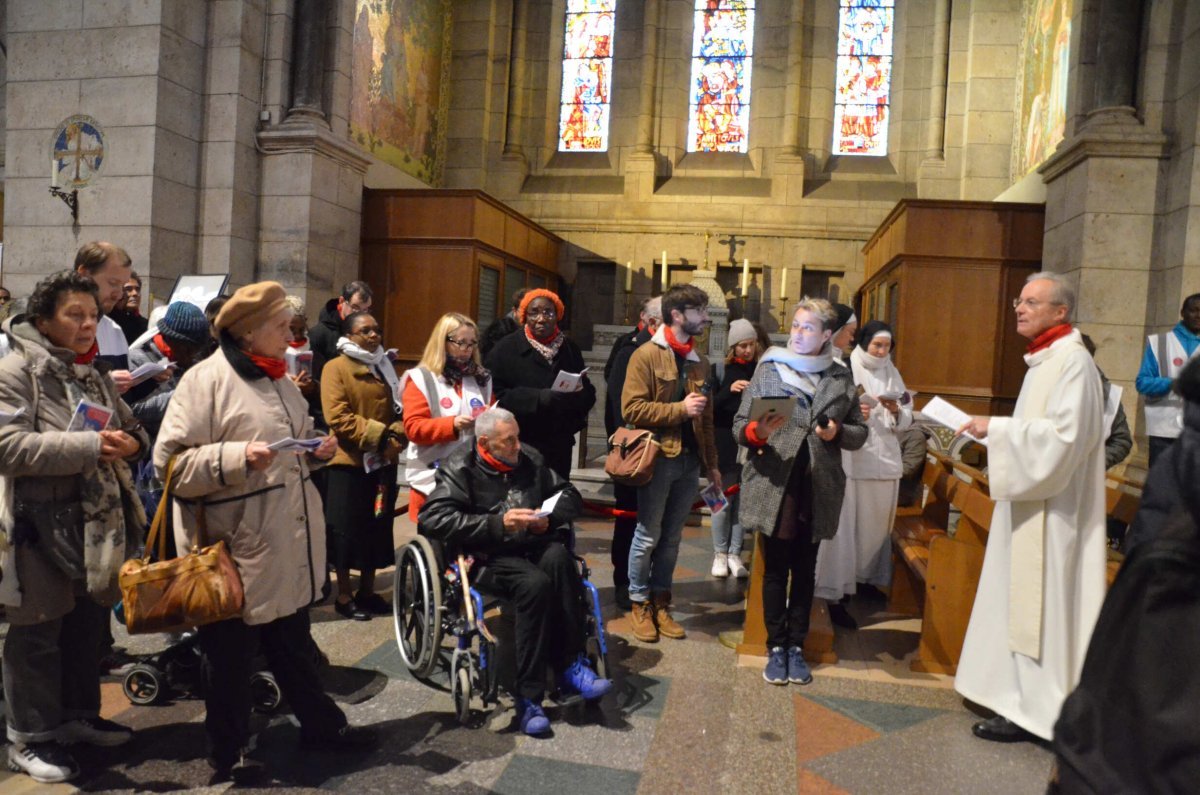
x: 935, y: 575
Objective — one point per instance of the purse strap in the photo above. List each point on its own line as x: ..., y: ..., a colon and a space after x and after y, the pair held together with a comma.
x: 158, y: 524
x: 158, y: 527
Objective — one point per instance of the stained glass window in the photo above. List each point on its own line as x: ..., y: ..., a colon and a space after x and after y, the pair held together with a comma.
x: 722, y: 50
x: 864, y: 76
x: 587, y: 76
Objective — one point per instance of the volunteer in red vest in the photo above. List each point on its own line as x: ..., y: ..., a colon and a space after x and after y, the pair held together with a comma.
x: 442, y: 396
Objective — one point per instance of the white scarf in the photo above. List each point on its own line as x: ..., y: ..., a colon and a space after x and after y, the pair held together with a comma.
x: 379, y: 363
x: 800, y: 370
x: 884, y: 374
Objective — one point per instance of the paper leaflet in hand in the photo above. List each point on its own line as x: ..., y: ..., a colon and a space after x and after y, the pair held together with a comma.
x: 149, y: 370
x: 568, y: 382
x: 714, y: 498
x: 90, y: 416
x: 298, y: 361
x: 474, y: 407
x: 8, y: 416
x: 945, y: 413
x: 547, y: 506
x: 295, y: 445
x: 373, y: 462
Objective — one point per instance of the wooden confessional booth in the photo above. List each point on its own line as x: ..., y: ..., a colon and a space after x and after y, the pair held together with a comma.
x: 428, y: 252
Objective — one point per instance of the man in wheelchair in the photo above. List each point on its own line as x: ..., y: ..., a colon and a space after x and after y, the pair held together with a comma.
x: 486, y: 504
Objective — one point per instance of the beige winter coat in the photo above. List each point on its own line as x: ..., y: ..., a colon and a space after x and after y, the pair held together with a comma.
x: 272, y: 519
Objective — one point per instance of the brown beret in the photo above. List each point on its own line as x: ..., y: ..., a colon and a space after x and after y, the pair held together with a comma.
x: 251, y: 306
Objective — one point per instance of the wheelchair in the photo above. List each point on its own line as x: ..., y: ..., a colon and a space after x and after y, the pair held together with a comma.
x: 433, y: 599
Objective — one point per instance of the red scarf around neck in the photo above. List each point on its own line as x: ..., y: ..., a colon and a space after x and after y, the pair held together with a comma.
x: 89, y: 357
x: 680, y: 348
x: 548, y: 340
x: 300, y: 343
x: 271, y: 367
x: 492, y: 461
x: 1048, y: 337
x: 742, y: 362
x: 163, y: 347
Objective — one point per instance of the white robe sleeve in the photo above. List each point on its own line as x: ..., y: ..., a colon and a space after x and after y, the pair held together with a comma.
x: 1036, y: 458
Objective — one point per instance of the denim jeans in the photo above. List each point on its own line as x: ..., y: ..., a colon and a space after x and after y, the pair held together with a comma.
x: 663, y: 506
x: 727, y: 531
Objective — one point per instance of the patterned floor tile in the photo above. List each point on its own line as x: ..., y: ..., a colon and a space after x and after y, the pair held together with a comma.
x: 530, y: 775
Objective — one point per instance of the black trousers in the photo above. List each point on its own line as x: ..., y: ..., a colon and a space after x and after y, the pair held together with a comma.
x: 547, y: 597
x: 229, y: 648
x: 786, y: 610
x: 625, y: 499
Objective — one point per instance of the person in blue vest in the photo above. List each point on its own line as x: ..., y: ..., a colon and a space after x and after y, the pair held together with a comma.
x: 1164, y: 359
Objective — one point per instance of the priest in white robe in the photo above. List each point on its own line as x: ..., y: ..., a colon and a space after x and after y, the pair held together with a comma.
x: 1043, y: 577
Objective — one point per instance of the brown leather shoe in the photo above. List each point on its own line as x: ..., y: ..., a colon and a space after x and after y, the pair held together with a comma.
x: 668, y: 627
x: 641, y: 618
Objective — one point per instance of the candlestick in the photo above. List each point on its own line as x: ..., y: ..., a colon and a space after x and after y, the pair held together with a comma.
x: 628, y: 277
x: 745, y: 276
x: 664, y: 270
x: 783, y: 285
x: 53, y: 171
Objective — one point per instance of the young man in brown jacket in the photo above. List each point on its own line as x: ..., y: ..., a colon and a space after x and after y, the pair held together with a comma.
x: 665, y: 392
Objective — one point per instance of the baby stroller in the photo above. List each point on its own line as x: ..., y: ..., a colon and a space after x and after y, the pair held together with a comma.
x: 175, y: 671
x: 433, y: 597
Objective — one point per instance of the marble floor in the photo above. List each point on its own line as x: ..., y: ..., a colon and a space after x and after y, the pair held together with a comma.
x: 685, y: 716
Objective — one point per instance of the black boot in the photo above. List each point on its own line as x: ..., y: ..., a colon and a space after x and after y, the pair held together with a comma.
x: 841, y: 617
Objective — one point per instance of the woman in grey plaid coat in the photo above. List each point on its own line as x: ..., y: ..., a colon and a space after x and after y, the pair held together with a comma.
x: 792, y: 484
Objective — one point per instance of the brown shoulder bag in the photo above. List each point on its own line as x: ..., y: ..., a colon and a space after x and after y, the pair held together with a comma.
x: 631, y: 456
x: 198, y: 588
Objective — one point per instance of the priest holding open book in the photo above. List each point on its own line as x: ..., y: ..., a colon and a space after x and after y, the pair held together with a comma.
x: 532, y: 372
x: 1042, y: 582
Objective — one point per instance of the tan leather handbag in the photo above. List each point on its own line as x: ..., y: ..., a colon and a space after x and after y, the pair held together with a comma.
x: 631, y: 456
x: 198, y: 588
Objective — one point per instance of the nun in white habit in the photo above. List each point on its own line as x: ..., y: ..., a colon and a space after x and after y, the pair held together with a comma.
x: 861, y: 550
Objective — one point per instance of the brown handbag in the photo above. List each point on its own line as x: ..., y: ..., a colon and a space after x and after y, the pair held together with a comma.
x: 198, y: 588
x: 631, y: 456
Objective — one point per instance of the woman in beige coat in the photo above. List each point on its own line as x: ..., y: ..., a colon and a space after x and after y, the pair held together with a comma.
x: 230, y: 485
x: 70, y: 517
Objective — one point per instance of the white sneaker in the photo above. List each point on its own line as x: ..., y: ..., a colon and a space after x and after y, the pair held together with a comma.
x: 94, y: 731
x: 46, y: 763
x: 720, y: 565
x: 737, y: 568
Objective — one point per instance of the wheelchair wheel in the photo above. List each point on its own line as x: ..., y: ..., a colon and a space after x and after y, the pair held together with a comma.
x: 417, y: 607
x: 265, y: 695
x: 460, y: 684
x: 143, y: 685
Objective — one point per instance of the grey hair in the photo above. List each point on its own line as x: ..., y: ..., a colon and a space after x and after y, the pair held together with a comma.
x: 653, y: 308
x: 485, y: 423
x: 1063, y: 291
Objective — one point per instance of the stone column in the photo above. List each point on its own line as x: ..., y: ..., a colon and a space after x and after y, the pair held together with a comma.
x: 308, y: 62
x: 939, y: 71
x: 645, y: 125
x: 795, y: 78
x: 514, y: 118
x: 1118, y: 39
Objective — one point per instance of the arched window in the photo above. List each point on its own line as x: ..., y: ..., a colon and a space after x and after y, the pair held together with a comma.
x: 864, y: 76
x: 722, y: 53
x: 587, y: 76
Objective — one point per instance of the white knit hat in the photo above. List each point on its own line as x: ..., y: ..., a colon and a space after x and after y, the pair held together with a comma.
x: 741, y: 330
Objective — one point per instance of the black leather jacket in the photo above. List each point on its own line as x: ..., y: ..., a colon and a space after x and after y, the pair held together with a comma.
x: 465, y: 510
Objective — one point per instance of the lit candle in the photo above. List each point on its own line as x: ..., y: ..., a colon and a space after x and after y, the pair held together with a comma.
x: 628, y: 277
x: 664, y: 273
x: 745, y: 277
x: 53, y: 171
x: 783, y: 284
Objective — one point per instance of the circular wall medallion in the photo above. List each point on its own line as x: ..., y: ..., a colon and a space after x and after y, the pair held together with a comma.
x: 77, y: 153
